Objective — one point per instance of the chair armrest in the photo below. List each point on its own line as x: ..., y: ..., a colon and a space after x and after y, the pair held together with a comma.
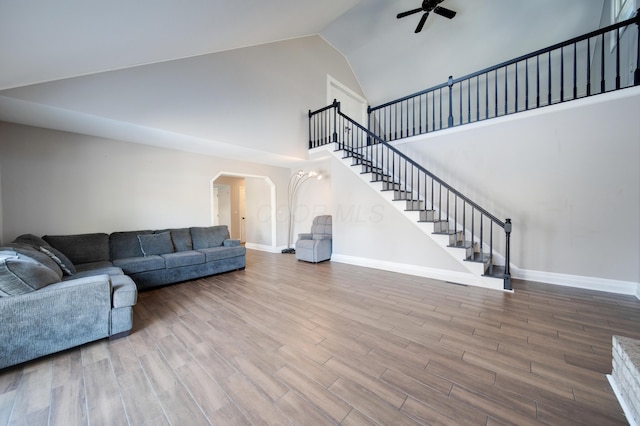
x: 231, y: 243
x: 305, y: 236
x: 321, y: 237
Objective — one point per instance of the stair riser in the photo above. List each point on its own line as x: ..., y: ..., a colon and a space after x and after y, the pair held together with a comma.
x: 415, y: 205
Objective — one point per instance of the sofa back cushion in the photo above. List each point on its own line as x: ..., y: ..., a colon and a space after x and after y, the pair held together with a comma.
x: 20, y: 275
x: 82, y: 248
x: 159, y: 243
x: 181, y: 239
x: 210, y: 236
x: 126, y: 244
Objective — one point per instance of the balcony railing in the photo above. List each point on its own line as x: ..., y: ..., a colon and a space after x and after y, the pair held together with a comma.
x: 583, y: 66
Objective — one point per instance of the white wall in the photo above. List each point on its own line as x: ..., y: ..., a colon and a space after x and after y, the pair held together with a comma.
x: 250, y: 104
x: 367, y: 230
x: 63, y: 183
x: 568, y: 176
x: 259, y: 213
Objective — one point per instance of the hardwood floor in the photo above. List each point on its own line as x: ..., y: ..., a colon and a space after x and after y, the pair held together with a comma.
x: 292, y: 343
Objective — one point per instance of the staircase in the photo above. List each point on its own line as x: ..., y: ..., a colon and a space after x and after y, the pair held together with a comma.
x: 470, y: 234
x: 447, y: 233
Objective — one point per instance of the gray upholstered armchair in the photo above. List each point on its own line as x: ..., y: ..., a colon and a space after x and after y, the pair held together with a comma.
x: 315, y: 246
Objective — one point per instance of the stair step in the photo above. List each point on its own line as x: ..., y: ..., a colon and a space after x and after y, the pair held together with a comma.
x: 414, y: 205
x: 402, y: 195
x: 496, y: 272
x: 371, y: 169
x: 428, y: 216
x: 479, y: 257
x: 380, y: 177
x: 440, y: 227
x: 390, y: 186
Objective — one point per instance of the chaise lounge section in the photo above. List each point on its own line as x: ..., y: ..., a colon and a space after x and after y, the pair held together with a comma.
x: 61, y: 291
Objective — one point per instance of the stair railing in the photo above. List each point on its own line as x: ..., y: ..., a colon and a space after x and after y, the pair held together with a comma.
x: 583, y: 66
x: 468, y: 225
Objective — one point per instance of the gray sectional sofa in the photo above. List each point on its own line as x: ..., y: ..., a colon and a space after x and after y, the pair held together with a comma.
x: 61, y: 291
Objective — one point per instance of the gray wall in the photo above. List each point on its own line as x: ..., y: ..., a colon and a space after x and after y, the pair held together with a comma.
x: 568, y: 176
x: 63, y: 183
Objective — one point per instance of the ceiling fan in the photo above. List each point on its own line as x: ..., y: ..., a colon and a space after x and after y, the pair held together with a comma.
x: 427, y: 7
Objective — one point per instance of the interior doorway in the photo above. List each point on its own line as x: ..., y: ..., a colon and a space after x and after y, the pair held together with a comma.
x: 351, y: 104
x: 227, y: 194
x: 252, y: 208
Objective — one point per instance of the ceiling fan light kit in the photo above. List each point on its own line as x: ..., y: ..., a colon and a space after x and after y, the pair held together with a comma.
x: 427, y: 7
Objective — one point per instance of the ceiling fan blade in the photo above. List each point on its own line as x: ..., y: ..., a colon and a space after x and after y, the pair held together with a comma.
x: 443, y: 11
x: 409, y: 12
x: 422, y: 21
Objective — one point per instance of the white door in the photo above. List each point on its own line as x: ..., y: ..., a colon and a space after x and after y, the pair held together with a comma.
x: 222, y: 195
x: 242, y: 207
x: 351, y: 104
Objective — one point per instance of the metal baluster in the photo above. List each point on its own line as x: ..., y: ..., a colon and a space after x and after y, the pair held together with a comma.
x: 477, y: 98
x: 549, y: 94
x: 516, y: 97
x: 588, y: 67
x: 486, y: 96
x: 496, y: 100
x: 575, y: 70
x: 506, y: 90
x: 602, y: 80
x: 617, y: 59
x: 526, y: 83
x: 562, y: 74
x: 538, y: 81
x: 490, y: 248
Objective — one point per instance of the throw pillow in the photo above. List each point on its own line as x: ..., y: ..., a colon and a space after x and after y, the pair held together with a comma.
x: 35, y: 254
x: 20, y: 275
x: 63, y: 261
x: 160, y: 243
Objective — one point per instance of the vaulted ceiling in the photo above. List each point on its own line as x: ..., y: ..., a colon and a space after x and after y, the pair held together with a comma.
x: 91, y: 67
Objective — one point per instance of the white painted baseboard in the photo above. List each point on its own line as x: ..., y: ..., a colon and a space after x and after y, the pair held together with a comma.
x: 421, y: 271
x: 263, y: 247
x: 588, y: 283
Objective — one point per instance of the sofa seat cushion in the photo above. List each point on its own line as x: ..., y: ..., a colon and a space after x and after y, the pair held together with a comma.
x: 133, y: 265
x: 125, y: 292
x: 183, y: 258
x: 20, y: 275
x: 217, y: 253
x: 91, y: 266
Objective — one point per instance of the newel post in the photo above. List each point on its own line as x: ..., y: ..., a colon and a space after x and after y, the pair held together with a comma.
x: 507, y: 257
x: 336, y: 108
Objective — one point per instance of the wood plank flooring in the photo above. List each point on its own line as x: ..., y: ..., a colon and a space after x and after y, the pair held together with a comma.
x: 292, y: 343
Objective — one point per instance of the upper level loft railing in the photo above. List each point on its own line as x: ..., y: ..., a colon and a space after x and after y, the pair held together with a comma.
x: 591, y: 64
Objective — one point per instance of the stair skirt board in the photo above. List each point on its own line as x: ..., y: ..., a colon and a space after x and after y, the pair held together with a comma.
x: 452, y: 277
